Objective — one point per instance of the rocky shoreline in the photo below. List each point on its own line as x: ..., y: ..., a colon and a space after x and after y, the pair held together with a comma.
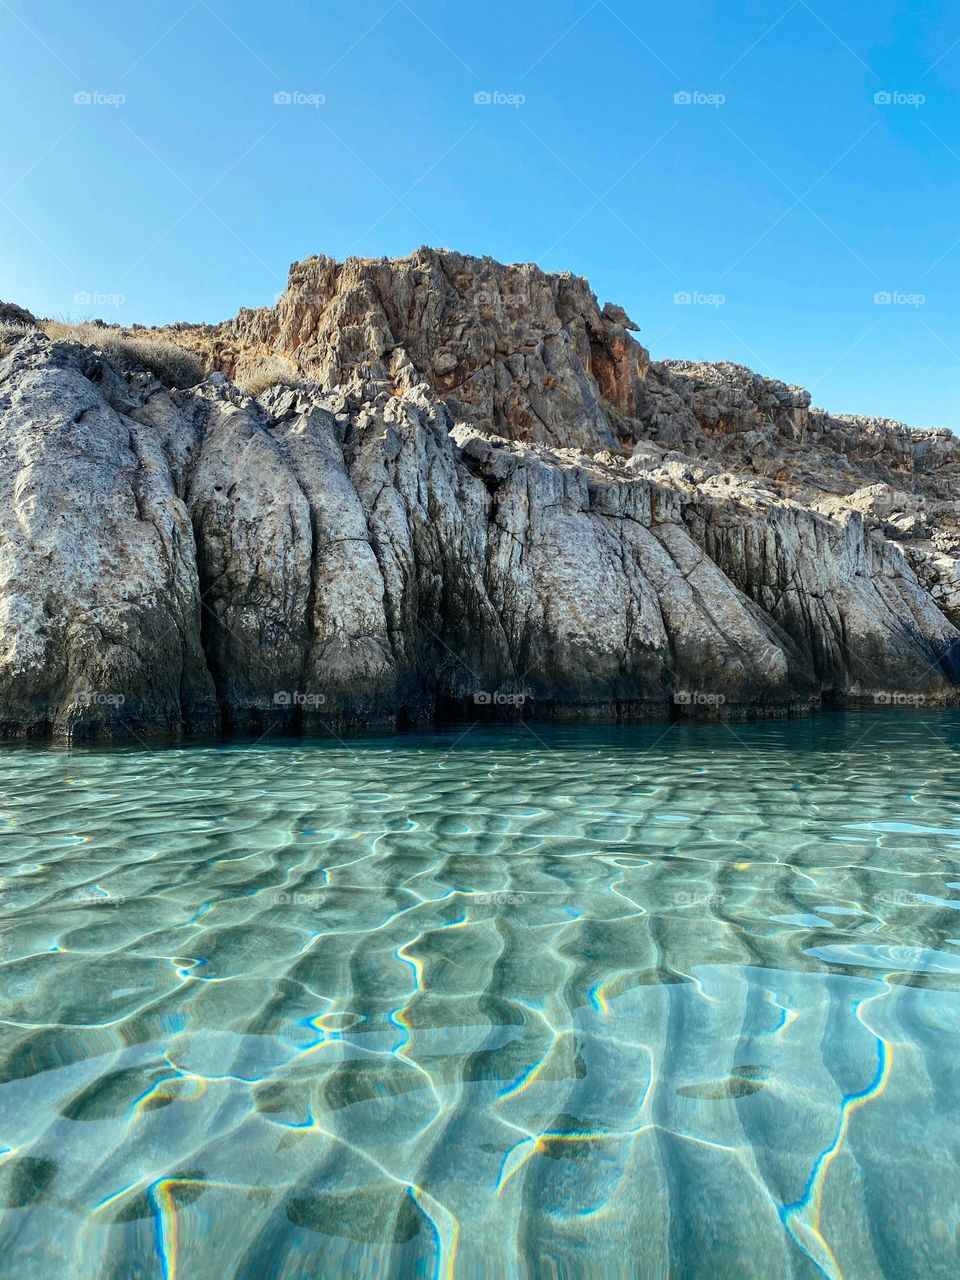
x: 469, y: 493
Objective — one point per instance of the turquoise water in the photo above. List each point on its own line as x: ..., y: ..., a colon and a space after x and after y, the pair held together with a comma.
x: 660, y: 1001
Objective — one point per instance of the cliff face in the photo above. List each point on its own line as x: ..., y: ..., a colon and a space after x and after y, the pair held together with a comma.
x: 482, y: 495
x: 510, y: 349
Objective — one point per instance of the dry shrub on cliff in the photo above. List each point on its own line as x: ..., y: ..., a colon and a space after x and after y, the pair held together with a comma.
x: 270, y: 371
x: 10, y: 329
x: 169, y: 363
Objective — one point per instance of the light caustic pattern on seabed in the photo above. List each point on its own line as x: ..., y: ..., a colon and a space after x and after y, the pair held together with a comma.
x: 532, y: 1002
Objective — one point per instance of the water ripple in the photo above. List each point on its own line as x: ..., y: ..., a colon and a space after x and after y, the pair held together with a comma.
x: 597, y: 1002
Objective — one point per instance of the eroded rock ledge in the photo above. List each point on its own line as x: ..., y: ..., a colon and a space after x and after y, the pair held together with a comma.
x: 480, y: 495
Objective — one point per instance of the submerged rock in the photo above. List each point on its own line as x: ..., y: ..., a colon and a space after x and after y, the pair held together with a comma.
x: 478, y: 496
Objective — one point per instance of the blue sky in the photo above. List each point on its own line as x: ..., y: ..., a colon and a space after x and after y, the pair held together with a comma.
x: 811, y: 164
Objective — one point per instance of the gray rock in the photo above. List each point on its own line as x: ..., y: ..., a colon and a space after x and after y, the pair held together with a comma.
x: 99, y: 593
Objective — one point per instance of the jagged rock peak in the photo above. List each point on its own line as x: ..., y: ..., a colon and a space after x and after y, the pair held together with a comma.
x: 512, y: 349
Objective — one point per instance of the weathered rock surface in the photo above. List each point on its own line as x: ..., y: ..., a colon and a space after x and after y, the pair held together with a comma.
x: 510, y: 349
x: 99, y: 605
x: 482, y: 495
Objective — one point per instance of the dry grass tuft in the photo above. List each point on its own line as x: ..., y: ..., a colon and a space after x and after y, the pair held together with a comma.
x: 171, y: 364
x: 270, y: 371
x: 10, y: 329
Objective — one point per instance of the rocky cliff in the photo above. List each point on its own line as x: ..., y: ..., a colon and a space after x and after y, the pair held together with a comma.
x: 470, y: 492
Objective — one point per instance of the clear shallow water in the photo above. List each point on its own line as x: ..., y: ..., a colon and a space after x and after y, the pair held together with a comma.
x: 547, y: 1002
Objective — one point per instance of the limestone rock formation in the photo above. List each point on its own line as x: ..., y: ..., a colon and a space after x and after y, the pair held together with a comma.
x: 474, y: 494
x: 510, y: 349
